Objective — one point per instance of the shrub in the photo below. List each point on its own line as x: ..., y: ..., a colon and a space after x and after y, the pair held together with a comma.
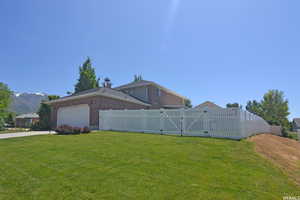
x: 86, y: 130
x: 36, y: 127
x: 285, y: 132
x: 76, y: 130
x: 66, y: 129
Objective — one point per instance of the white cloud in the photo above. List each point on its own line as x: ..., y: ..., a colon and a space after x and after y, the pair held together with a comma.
x: 171, y: 16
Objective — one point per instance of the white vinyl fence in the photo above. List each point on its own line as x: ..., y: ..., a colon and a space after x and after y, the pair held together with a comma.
x: 224, y: 123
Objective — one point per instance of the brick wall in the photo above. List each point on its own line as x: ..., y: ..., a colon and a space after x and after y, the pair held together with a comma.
x: 95, y: 103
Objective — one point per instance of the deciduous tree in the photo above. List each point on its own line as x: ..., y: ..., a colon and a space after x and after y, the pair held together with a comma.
x: 5, y: 99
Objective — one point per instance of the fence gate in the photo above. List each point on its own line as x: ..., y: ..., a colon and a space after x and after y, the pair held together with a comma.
x: 196, y: 123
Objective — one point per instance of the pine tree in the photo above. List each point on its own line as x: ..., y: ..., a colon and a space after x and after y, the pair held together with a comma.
x: 137, y: 78
x: 44, y: 113
x: 188, y: 103
x: 87, y: 77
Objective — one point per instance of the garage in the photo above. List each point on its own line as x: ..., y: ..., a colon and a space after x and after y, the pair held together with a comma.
x: 78, y: 116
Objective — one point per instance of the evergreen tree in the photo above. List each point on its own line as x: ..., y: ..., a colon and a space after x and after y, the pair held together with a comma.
x: 188, y: 103
x: 44, y: 113
x: 234, y: 105
x: 87, y: 77
x: 137, y: 78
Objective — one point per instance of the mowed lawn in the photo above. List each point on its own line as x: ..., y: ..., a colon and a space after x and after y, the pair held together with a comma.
x: 111, y: 165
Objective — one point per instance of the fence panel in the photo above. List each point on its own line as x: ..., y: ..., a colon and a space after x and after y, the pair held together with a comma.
x: 225, y: 123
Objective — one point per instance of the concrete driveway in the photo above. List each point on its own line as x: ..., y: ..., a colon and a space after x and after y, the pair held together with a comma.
x: 24, y: 134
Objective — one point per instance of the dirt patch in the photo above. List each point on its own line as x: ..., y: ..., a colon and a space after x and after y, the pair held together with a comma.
x: 283, y: 152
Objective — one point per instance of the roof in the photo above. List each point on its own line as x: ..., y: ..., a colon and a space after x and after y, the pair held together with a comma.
x: 144, y: 83
x: 208, y: 104
x: 297, y: 121
x: 28, y: 115
x: 107, y: 92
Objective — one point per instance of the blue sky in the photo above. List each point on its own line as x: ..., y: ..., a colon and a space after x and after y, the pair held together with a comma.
x: 222, y: 51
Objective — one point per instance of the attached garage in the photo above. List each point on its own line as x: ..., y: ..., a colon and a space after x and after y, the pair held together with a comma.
x: 78, y: 115
x: 82, y: 109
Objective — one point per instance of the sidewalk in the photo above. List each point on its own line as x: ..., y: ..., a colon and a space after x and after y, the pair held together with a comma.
x: 24, y: 134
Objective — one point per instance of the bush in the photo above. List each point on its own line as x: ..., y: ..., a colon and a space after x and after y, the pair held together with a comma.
x: 285, y: 132
x: 86, y: 130
x: 66, y: 129
x: 36, y: 127
x: 293, y: 135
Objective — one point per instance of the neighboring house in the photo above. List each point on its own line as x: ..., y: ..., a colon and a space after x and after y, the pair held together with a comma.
x: 26, y: 120
x: 82, y: 109
x: 207, y: 104
x: 296, y: 124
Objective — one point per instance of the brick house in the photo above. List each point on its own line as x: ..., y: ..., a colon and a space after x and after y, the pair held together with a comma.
x: 82, y: 109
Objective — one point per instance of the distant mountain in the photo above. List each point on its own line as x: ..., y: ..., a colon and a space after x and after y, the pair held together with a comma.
x: 26, y: 102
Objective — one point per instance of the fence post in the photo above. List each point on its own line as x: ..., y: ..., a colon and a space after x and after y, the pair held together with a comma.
x: 161, y: 120
x: 181, y: 121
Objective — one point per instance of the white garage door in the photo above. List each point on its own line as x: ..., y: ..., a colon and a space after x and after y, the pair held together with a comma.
x: 78, y: 116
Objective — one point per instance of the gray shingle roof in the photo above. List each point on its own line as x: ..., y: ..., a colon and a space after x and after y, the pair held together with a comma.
x: 28, y: 115
x: 134, y: 84
x: 108, y: 92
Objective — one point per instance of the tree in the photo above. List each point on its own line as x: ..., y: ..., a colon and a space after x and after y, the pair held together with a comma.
x: 187, y: 103
x: 87, y: 77
x: 234, y: 105
x: 10, y: 119
x: 254, y: 107
x: 44, y: 113
x: 137, y: 78
x: 5, y: 99
x: 273, y: 108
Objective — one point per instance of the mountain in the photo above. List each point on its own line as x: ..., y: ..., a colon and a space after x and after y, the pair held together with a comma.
x: 26, y: 102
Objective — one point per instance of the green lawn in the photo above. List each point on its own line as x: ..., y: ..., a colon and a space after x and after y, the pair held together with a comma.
x: 293, y: 135
x: 14, y: 131
x: 110, y: 165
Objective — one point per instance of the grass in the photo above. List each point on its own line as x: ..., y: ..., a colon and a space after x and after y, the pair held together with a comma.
x: 293, y: 135
x: 111, y: 165
x: 15, y: 130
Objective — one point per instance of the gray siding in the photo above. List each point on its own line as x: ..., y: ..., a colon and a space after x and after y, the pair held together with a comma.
x: 139, y: 93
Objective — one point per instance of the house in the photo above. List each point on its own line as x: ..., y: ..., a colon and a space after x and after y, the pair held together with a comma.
x: 207, y: 104
x: 82, y: 109
x: 26, y: 120
x: 296, y: 124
